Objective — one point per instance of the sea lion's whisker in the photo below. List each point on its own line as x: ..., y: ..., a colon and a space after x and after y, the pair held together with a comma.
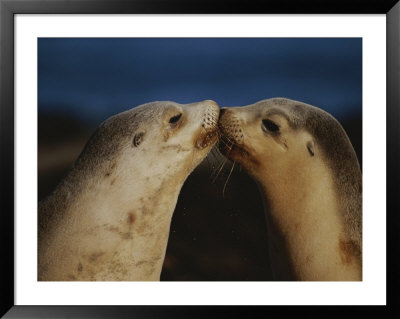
x: 227, y: 145
x: 230, y: 173
x: 213, y: 152
x: 219, y: 153
x: 213, y: 160
x: 220, y: 169
x: 219, y: 159
x: 226, y: 141
x: 214, y: 173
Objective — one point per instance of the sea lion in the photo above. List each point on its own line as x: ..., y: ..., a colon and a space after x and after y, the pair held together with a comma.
x: 310, y: 180
x: 109, y: 219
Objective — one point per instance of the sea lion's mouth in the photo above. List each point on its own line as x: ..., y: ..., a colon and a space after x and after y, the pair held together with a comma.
x: 238, y: 153
x: 231, y: 149
x: 206, y: 138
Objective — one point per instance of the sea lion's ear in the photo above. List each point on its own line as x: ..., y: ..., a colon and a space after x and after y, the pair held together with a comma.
x: 137, y: 139
x: 310, y: 147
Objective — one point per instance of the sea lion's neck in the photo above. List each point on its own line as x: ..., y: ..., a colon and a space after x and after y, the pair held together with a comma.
x: 304, y: 225
x: 120, y: 234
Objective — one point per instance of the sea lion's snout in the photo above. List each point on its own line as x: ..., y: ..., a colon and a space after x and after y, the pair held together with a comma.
x: 230, y: 127
x: 209, y: 134
x: 211, y: 114
x: 206, y: 139
x: 231, y: 142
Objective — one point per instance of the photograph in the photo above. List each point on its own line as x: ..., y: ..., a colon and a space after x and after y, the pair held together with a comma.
x: 199, y: 159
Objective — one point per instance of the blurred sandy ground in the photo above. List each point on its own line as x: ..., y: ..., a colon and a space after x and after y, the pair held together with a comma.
x: 215, y: 235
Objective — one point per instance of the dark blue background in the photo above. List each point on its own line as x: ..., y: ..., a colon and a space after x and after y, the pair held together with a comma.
x: 92, y: 79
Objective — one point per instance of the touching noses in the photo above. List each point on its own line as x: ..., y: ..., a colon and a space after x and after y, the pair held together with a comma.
x: 222, y: 111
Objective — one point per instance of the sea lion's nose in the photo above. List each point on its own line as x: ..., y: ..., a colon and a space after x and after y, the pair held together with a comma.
x: 222, y: 111
x: 211, y: 102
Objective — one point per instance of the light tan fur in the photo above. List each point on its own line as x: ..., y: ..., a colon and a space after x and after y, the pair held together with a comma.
x: 310, y: 179
x: 109, y: 219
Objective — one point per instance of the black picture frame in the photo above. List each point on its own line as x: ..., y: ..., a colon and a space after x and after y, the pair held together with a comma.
x: 9, y: 8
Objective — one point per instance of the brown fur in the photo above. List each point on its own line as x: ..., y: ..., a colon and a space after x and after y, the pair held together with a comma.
x: 94, y: 162
x: 340, y: 156
x: 109, y: 217
x: 333, y: 148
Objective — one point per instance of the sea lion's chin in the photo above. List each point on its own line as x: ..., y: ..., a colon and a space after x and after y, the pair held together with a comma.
x: 238, y: 153
x: 206, y: 139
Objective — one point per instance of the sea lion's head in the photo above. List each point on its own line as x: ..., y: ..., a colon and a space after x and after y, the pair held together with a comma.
x: 268, y: 135
x: 284, y: 134
x: 154, y: 140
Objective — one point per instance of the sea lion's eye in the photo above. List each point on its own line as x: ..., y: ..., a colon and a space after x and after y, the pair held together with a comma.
x: 269, y: 126
x: 310, y: 147
x: 173, y: 120
x: 137, y: 139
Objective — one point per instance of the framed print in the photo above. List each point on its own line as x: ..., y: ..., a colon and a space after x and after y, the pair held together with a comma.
x: 68, y: 69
